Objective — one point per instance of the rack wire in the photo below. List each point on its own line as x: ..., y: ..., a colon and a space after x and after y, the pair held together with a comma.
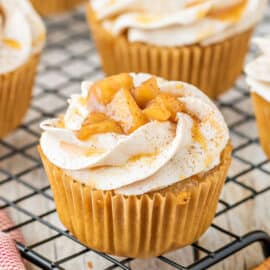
x: 69, y: 58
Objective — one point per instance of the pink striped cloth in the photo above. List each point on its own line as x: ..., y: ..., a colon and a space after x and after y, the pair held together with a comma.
x: 10, y: 258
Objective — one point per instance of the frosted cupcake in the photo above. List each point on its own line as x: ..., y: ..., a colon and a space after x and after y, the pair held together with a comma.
x: 259, y: 81
x: 22, y: 36
x: 50, y: 7
x: 137, y: 164
x: 200, y: 42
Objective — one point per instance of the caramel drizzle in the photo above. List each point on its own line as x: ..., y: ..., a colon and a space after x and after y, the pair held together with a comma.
x: 194, y: 3
x: 2, y: 14
x: 148, y: 157
x: 144, y: 155
x: 14, y: 44
x: 198, y: 136
x: 229, y: 14
x: 232, y: 13
x: 80, y: 150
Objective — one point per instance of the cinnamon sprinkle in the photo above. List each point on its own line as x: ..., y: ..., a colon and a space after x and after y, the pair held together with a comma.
x: 2, y: 13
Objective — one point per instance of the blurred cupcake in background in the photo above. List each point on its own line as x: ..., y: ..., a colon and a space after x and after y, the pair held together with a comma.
x: 50, y: 7
x: 200, y: 42
x: 258, y: 78
x: 22, y: 37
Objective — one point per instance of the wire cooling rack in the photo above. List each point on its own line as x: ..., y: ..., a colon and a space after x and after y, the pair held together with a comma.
x: 69, y: 58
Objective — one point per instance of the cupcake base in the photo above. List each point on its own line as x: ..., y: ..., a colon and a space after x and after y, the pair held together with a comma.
x: 15, y: 94
x: 262, y: 113
x: 138, y: 226
x: 50, y: 7
x: 213, y: 69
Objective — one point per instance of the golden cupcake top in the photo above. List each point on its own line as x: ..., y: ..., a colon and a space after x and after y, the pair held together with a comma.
x: 177, y: 23
x: 22, y: 33
x: 134, y: 133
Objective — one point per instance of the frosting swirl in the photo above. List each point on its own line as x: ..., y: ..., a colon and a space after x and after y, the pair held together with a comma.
x: 258, y: 70
x: 177, y: 23
x: 132, y: 152
x: 22, y: 33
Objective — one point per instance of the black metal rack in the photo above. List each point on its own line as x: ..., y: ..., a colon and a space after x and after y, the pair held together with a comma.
x: 69, y: 58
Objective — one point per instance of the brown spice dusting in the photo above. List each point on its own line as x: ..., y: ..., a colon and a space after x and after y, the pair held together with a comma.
x: 90, y: 265
x: 2, y: 14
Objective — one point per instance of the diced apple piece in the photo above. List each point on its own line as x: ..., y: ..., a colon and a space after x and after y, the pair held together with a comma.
x: 157, y: 110
x: 147, y: 91
x: 124, y: 110
x: 171, y: 103
x: 163, y: 107
x: 94, y: 118
x: 105, y: 89
x: 97, y: 123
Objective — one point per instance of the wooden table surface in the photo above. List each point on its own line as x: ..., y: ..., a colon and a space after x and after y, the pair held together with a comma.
x: 69, y: 58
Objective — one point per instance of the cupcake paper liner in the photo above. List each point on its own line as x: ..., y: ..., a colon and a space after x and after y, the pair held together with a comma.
x: 213, y: 68
x: 50, y: 7
x: 262, y: 113
x: 15, y: 94
x: 138, y: 226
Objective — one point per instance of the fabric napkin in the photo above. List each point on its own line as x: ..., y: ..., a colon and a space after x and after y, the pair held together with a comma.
x: 10, y: 258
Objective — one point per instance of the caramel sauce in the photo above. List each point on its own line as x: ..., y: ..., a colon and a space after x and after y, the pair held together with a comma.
x: 216, y: 126
x: 140, y: 156
x: 80, y: 150
x: 145, y: 19
x: 132, y: 159
x: 194, y: 3
x: 179, y: 86
x: 232, y: 14
x: 12, y: 43
x: 198, y: 136
x: 201, y: 14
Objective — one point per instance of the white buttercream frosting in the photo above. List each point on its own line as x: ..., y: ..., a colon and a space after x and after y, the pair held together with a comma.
x: 258, y: 70
x: 178, y: 22
x: 154, y: 156
x: 22, y: 33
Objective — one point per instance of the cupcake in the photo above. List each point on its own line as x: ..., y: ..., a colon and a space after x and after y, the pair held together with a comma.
x: 50, y: 7
x: 22, y: 36
x: 200, y: 42
x: 259, y: 81
x: 137, y: 164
